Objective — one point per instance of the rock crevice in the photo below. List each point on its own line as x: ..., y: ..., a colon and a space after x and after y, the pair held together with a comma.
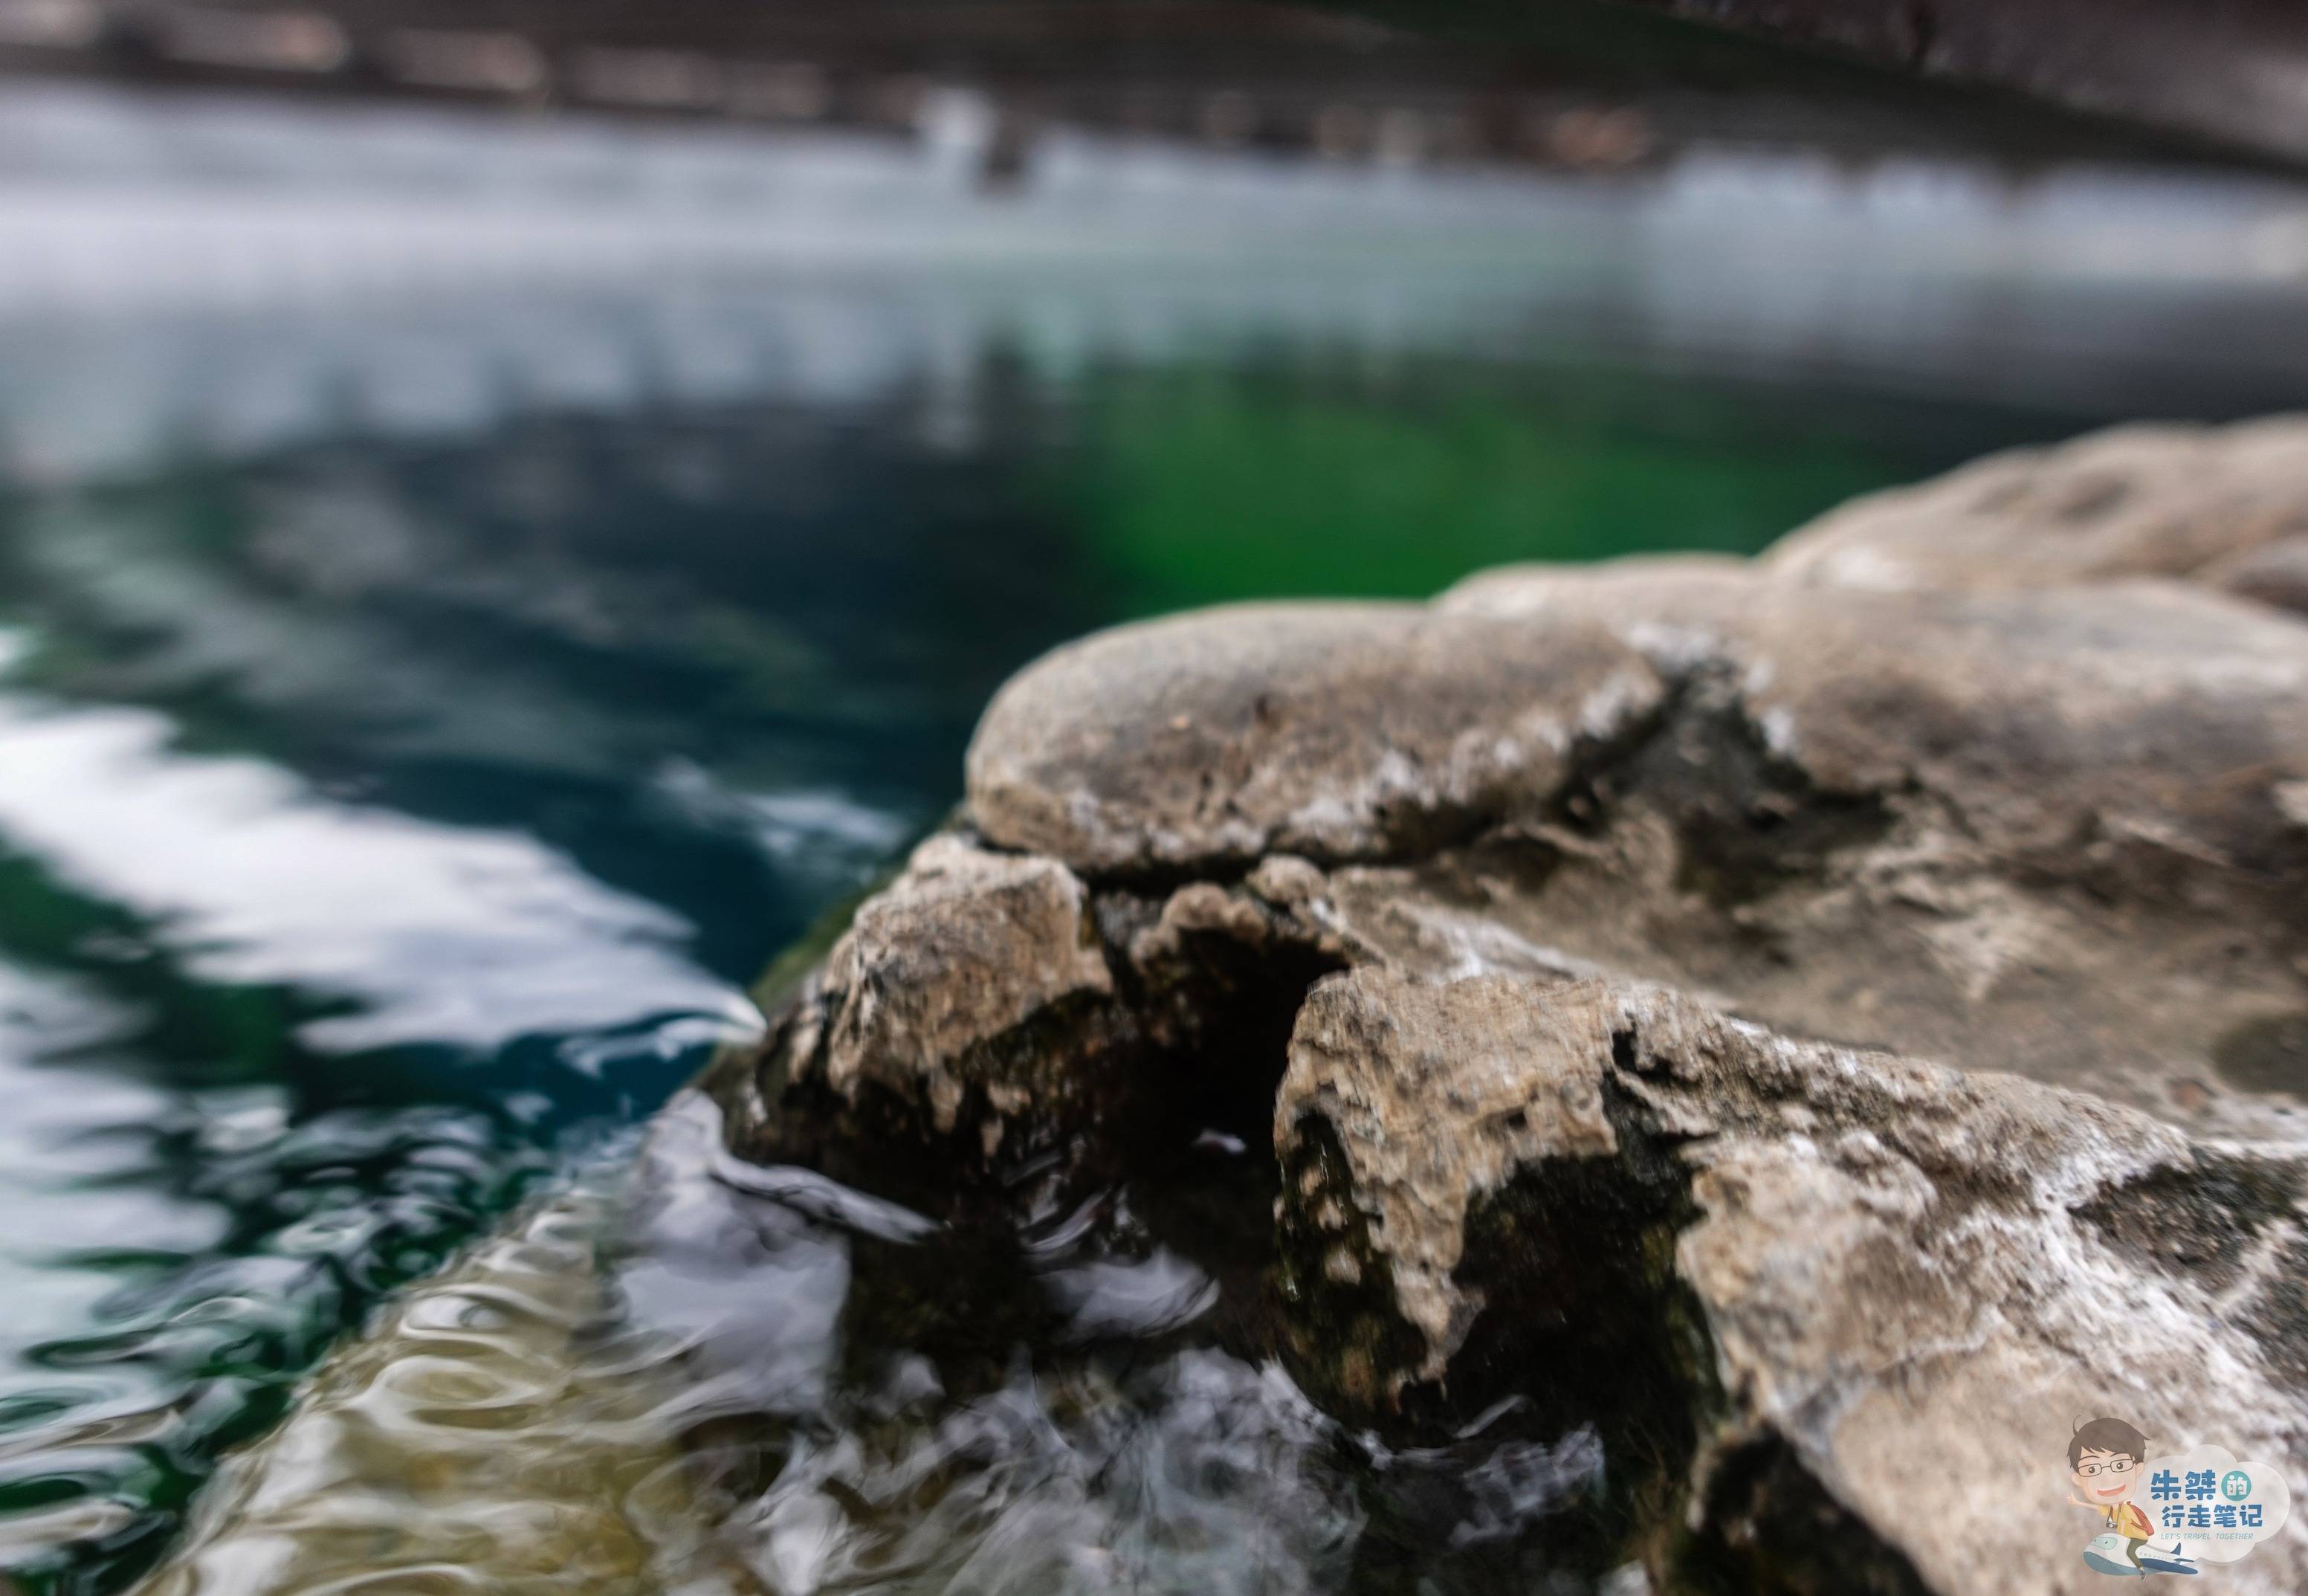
x: 1889, y: 1269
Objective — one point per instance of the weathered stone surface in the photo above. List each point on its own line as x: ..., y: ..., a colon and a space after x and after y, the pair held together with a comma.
x: 2036, y: 711
x: 2054, y: 829
x: 1911, y: 1281
x: 2272, y: 573
x: 964, y: 946
x: 2048, y: 832
x: 980, y: 993
x: 1431, y: 1090
x: 1337, y: 731
x: 964, y: 950
x: 1533, y: 890
x: 2132, y: 501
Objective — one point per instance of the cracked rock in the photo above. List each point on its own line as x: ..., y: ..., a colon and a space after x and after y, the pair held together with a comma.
x: 933, y: 991
x: 2050, y: 832
x: 1906, y: 1282
x: 1584, y: 937
x: 1598, y: 924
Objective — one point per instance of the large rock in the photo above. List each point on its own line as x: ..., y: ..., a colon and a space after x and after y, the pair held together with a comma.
x: 1911, y: 1283
x: 2040, y: 807
x: 2057, y: 832
x: 1627, y: 898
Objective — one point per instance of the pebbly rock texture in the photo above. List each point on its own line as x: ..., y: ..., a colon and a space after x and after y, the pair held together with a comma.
x: 963, y: 949
x: 1906, y: 1283
x: 972, y: 984
x: 2225, y: 506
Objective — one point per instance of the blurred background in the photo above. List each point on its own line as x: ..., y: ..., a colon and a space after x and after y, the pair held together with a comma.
x: 509, y: 510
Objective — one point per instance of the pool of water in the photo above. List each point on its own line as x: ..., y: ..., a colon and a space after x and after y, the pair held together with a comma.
x: 427, y: 704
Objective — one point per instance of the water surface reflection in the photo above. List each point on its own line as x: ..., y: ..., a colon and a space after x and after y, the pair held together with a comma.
x: 728, y: 1379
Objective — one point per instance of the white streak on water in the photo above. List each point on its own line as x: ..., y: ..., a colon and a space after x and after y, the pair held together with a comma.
x: 440, y: 934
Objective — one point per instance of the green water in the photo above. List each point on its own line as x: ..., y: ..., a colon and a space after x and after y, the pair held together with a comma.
x: 1204, y: 485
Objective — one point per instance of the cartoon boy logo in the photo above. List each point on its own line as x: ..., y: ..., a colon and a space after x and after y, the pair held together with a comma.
x: 2106, y: 1459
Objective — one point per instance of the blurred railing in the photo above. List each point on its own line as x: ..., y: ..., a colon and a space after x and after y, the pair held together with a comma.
x: 1575, y: 84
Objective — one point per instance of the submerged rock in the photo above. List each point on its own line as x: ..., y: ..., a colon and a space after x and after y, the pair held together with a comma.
x: 463, y: 1441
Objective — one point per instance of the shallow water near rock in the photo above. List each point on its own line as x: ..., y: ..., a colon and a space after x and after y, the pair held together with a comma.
x: 422, y: 715
x: 705, y: 1376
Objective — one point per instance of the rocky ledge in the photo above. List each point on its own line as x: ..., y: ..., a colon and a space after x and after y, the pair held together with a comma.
x: 1845, y: 1300
x: 1835, y: 1019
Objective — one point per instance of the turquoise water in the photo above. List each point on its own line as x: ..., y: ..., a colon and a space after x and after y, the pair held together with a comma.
x: 421, y: 717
